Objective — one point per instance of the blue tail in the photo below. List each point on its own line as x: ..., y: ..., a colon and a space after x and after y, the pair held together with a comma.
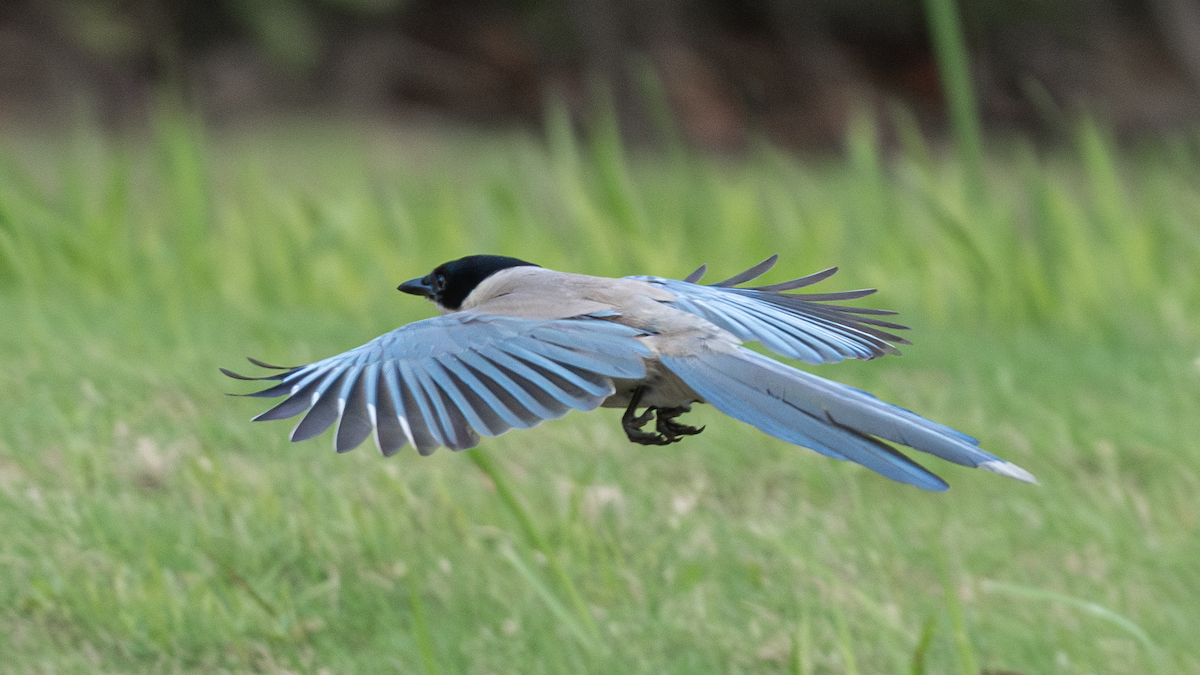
x: 831, y: 418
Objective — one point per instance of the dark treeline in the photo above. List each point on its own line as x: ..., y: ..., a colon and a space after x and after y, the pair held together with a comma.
x: 794, y: 70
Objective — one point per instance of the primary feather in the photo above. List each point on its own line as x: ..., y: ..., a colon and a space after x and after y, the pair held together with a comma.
x: 797, y: 326
x: 447, y: 379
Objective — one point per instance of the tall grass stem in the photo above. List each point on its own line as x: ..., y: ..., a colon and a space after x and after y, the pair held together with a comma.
x: 954, y: 66
x: 536, y: 540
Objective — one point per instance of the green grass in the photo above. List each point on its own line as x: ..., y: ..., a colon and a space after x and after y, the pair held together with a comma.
x: 148, y: 527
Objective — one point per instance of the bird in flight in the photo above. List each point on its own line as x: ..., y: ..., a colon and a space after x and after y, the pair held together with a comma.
x: 517, y: 344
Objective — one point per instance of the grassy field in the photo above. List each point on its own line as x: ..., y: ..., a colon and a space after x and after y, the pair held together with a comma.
x: 148, y: 527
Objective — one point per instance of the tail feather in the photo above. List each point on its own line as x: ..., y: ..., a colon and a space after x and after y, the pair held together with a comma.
x: 831, y: 418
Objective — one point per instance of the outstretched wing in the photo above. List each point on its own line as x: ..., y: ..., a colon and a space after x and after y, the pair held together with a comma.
x: 443, y: 381
x: 798, y: 325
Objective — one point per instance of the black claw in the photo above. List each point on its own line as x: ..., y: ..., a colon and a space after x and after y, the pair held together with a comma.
x: 633, y: 429
x: 668, y: 431
x: 667, y: 426
x: 633, y: 423
x: 648, y: 438
x: 673, y: 429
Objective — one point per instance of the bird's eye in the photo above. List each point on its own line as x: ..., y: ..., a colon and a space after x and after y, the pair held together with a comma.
x: 439, y: 283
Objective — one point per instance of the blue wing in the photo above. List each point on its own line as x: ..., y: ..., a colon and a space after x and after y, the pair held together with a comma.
x: 799, y: 326
x: 443, y: 381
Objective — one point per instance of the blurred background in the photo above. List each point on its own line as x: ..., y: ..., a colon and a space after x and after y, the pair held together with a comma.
x: 792, y: 71
x: 186, y: 183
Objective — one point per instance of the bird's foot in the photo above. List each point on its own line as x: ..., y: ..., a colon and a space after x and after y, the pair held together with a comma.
x: 669, y: 428
x: 633, y: 423
x: 636, y: 435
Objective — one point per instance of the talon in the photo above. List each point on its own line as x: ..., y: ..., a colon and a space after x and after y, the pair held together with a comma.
x: 633, y: 425
x: 667, y: 426
x: 649, y: 438
x: 635, y: 434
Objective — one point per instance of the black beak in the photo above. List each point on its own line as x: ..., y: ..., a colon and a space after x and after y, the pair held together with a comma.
x: 419, y: 287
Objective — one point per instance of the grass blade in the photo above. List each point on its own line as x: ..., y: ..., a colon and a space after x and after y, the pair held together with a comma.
x: 556, y: 607
x: 954, y: 66
x: 918, y: 657
x: 1094, y: 609
x: 968, y: 663
x: 420, y: 628
x: 845, y: 642
x: 514, y: 506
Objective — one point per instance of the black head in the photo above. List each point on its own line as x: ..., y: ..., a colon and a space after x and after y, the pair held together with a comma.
x: 450, y: 283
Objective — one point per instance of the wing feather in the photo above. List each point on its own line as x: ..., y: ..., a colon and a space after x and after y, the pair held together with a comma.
x: 417, y: 417
x: 444, y: 381
x: 482, y: 416
x: 775, y: 332
x: 390, y: 434
x: 750, y: 274
x: 323, y: 412
x: 809, y: 280
x: 299, y: 399
x: 492, y: 394
x: 590, y: 383
x: 501, y: 384
x: 605, y: 366
x: 461, y: 413
x: 454, y: 421
x: 404, y: 407
x: 427, y: 400
x: 543, y: 407
x: 354, y: 421
x: 553, y: 398
x: 797, y: 325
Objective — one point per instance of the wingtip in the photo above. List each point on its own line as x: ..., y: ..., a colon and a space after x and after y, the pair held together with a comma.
x: 261, y: 364
x: 237, y: 376
x: 1008, y: 469
x: 807, y: 280
x: 750, y: 274
x: 695, y: 277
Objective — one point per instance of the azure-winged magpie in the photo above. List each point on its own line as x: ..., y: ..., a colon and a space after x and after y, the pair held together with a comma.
x: 517, y: 344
